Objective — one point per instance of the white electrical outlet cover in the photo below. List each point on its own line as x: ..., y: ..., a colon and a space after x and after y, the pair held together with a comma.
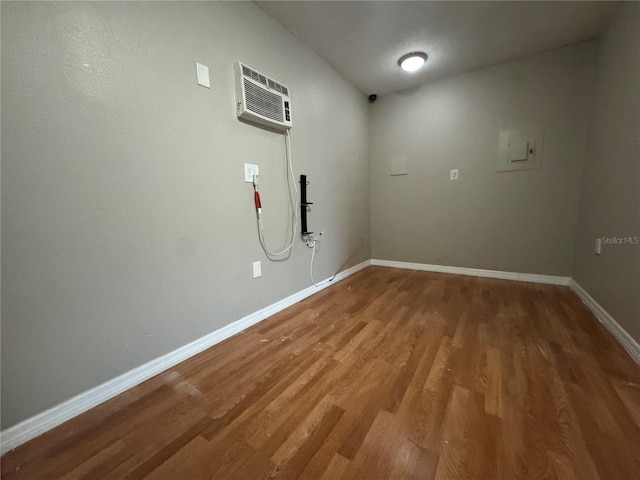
x: 249, y: 171
x: 453, y: 174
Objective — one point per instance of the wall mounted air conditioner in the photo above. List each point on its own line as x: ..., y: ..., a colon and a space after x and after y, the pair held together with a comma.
x: 260, y: 99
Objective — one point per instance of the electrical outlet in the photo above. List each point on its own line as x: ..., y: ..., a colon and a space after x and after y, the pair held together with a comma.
x: 249, y: 171
x: 453, y: 174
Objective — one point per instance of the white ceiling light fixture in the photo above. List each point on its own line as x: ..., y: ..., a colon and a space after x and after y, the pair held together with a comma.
x: 412, y: 61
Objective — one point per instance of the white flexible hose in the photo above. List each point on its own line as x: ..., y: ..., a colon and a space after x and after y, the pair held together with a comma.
x: 292, y: 202
x: 312, y: 241
x: 313, y: 254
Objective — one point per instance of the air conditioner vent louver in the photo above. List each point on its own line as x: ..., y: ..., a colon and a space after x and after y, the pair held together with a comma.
x: 261, y: 100
x: 258, y: 77
x: 264, y: 103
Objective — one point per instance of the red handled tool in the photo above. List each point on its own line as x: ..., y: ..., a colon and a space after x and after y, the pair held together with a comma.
x: 256, y: 195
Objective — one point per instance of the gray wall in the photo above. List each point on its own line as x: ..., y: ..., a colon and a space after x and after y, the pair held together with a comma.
x: 517, y: 221
x: 610, y: 196
x: 127, y: 230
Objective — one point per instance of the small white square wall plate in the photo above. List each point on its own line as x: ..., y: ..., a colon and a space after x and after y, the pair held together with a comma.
x: 202, y: 72
x: 398, y: 166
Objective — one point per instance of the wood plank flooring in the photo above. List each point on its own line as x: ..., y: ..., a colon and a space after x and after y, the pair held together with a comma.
x: 387, y: 374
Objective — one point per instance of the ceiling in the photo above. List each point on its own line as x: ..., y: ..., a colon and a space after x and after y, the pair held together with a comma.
x: 363, y: 40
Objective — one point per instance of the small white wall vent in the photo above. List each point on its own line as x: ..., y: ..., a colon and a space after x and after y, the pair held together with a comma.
x: 260, y: 99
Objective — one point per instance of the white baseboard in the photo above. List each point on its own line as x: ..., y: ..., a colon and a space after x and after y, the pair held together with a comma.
x: 630, y: 345
x: 44, y: 421
x: 476, y: 272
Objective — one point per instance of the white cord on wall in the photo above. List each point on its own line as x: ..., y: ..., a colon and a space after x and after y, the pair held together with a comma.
x: 312, y: 241
x: 292, y: 202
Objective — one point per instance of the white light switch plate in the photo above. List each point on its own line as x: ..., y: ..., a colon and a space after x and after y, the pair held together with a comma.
x: 202, y: 71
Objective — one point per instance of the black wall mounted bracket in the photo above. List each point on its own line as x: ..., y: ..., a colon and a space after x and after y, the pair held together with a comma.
x: 304, y: 204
